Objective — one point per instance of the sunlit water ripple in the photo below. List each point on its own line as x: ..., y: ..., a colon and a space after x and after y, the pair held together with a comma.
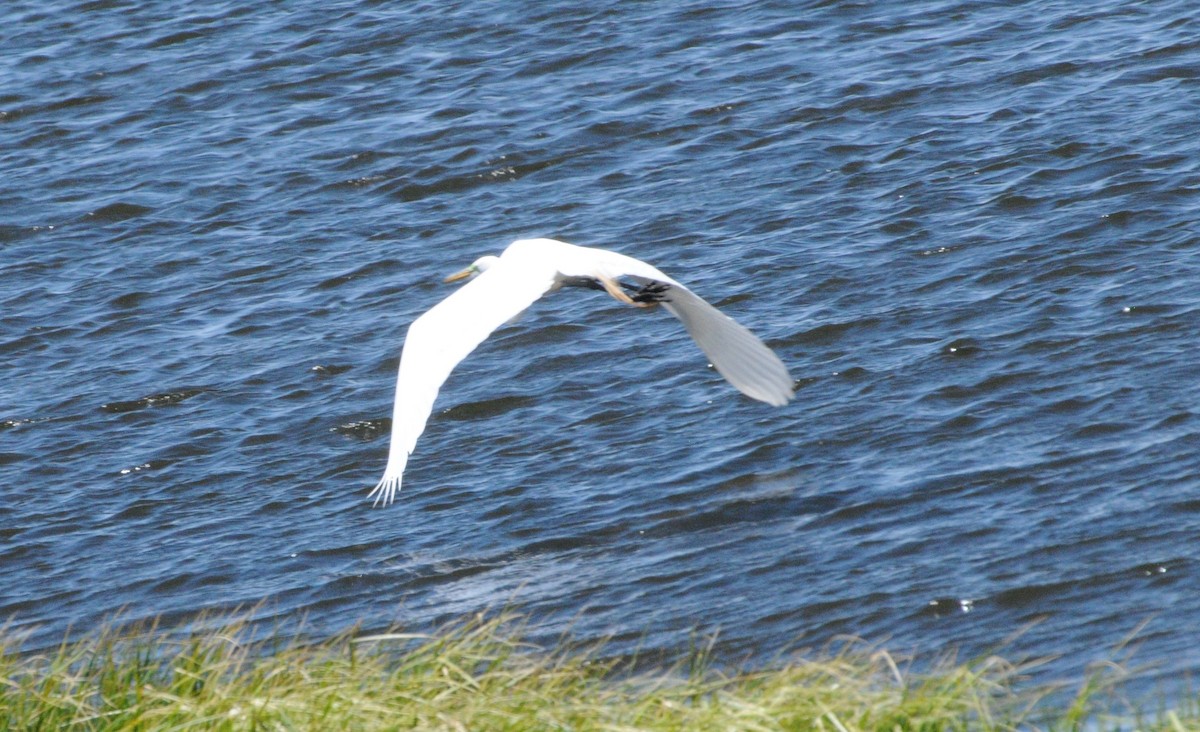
x: 970, y: 230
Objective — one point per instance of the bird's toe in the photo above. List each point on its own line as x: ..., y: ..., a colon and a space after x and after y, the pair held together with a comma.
x: 649, y: 294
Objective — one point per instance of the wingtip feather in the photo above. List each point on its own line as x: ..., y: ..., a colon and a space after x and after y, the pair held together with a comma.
x: 385, y: 491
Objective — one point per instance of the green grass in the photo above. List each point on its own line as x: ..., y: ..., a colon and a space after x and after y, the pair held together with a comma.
x: 480, y: 675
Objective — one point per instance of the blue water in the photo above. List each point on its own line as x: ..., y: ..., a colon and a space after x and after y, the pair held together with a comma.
x: 970, y: 229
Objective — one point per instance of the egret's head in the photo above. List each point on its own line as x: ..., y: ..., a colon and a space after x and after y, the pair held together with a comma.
x: 477, y: 267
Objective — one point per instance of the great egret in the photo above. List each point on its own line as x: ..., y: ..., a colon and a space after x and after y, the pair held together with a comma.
x: 506, y: 285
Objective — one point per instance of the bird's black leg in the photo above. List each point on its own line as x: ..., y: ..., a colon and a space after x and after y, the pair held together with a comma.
x: 650, y: 293
x: 590, y: 283
x: 646, y: 296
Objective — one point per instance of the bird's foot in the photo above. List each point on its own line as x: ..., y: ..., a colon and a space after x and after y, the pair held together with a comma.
x: 650, y: 294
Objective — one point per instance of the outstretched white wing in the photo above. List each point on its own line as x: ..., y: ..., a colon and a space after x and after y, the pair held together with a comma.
x: 736, y: 353
x: 442, y: 337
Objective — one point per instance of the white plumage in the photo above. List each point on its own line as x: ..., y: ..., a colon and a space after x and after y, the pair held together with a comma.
x: 508, y: 284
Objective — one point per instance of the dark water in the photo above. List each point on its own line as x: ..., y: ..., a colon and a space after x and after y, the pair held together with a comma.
x: 969, y: 228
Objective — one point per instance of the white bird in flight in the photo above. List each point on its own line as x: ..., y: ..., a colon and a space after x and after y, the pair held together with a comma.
x: 505, y: 286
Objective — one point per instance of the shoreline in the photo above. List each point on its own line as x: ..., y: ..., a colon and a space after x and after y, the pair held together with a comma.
x: 480, y: 673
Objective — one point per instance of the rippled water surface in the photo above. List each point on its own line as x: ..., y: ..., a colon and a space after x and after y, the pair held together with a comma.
x: 970, y: 229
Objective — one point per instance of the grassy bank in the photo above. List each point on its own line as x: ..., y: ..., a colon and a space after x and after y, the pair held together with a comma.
x: 479, y: 675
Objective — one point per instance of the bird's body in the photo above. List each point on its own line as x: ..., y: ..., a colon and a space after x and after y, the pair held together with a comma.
x: 508, y: 284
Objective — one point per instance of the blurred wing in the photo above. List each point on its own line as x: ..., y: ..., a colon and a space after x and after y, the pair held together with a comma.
x: 735, y: 352
x: 442, y: 337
